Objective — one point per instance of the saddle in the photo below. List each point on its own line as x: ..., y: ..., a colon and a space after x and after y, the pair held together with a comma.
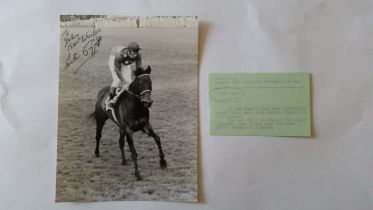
x: 114, y: 101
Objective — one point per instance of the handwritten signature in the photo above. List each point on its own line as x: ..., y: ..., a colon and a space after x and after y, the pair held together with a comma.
x: 80, y: 47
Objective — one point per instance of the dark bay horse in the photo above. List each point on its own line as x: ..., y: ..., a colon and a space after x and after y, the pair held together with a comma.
x: 132, y: 114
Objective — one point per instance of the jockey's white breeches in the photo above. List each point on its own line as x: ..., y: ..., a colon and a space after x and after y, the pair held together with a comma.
x: 125, y: 71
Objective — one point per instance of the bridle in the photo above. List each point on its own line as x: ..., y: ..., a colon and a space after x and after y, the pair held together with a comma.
x: 144, y: 91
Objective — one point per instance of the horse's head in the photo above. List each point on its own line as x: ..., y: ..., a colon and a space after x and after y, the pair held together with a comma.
x: 142, y: 86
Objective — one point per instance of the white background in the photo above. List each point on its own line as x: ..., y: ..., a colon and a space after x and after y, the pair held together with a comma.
x: 332, y: 39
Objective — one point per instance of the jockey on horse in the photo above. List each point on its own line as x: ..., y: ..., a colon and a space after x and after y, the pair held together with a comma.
x: 120, y: 61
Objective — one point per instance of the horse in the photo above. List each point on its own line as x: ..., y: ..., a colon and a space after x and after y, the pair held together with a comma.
x: 131, y: 115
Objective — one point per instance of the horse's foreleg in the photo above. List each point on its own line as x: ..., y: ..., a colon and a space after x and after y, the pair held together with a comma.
x: 133, y: 153
x: 148, y: 129
x: 121, y: 146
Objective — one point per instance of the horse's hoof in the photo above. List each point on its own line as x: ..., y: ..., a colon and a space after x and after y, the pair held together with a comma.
x: 163, y: 164
x: 124, y: 162
x: 138, y: 178
x: 97, y: 154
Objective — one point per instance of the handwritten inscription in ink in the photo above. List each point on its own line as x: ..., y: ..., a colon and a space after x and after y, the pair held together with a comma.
x: 80, y: 47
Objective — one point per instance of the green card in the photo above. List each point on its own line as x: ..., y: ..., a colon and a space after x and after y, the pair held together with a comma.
x: 259, y: 104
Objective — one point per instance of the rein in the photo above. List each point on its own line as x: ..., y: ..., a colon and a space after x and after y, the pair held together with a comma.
x: 147, y: 90
x: 143, y: 75
x: 121, y: 91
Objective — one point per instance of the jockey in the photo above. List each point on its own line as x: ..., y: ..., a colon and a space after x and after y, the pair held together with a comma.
x: 120, y: 61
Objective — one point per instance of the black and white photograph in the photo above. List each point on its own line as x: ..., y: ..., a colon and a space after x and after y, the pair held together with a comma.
x: 127, y: 108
